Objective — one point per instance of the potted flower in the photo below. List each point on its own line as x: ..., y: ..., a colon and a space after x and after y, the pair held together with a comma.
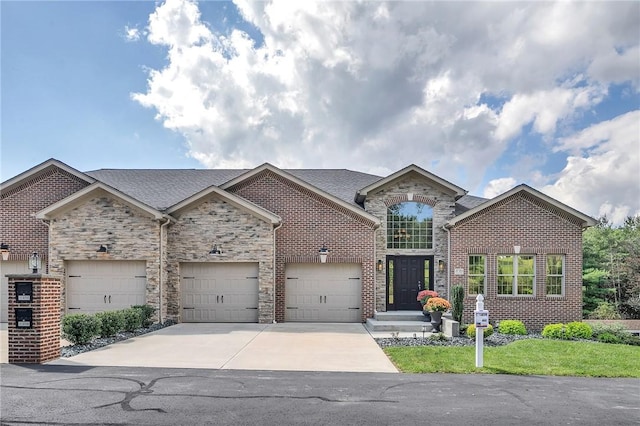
x: 436, y: 306
x: 423, y: 296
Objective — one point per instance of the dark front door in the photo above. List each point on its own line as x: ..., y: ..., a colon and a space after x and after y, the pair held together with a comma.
x: 406, y: 276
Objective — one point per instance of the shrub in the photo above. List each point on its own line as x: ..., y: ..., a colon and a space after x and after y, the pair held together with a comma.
x: 438, y: 337
x: 605, y: 311
x: 616, y: 329
x: 111, y: 323
x: 608, y: 338
x: 512, y: 327
x: 147, y: 313
x: 457, y: 302
x: 471, y: 331
x: 80, y: 329
x: 578, y: 330
x: 553, y: 331
x: 132, y: 319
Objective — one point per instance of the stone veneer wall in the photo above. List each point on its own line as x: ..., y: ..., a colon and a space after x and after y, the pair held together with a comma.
x: 443, y: 210
x: 242, y: 236
x: 521, y: 220
x: 129, y: 233
x: 18, y: 226
x: 309, y: 221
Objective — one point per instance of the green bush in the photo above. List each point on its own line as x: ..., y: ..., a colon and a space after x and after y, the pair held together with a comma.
x: 80, y: 329
x: 616, y: 329
x: 578, y: 330
x: 111, y: 322
x: 147, y: 314
x: 471, y: 331
x: 512, y: 327
x: 605, y: 311
x: 457, y: 302
x: 608, y: 338
x: 132, y: 319
x: 554, y: 331
x: 438, y: 337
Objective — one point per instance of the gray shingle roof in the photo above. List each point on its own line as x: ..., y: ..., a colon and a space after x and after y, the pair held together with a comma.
x: 162, y: 188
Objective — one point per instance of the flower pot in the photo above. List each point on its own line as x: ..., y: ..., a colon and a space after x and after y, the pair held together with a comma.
x: 427, y: 316
x: 436, y: 320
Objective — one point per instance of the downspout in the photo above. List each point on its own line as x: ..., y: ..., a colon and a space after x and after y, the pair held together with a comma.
x: 448, y: 261
x: 161, y: 275
x: 274, y: 271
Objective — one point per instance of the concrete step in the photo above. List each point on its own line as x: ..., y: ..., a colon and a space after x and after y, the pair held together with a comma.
x: 374, y: 325
x: 399, y: 316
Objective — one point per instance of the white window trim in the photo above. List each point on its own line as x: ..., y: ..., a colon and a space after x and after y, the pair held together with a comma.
x: 484, y: 285
x: 562, y: 288
x: 514, y: 289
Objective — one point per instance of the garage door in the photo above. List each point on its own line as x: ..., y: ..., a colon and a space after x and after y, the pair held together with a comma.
x: 329, y: 292
x: 219, y: 292
x: 9, y: 267
x: 107, y: 285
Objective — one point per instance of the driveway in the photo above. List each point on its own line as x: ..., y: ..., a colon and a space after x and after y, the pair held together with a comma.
x: 287, y: 346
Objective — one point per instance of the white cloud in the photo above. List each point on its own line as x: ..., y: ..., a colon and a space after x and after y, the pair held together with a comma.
x: 375, y: 86
x: 498, y: 186
x: 603, y: 174
x: 131, y: 33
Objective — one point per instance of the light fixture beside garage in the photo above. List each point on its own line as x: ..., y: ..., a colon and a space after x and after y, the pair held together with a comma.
x: 35, y: 264
x: 324, y: 251
x: 102, y: 249
x: 379, y: 265
x: 215, y: 250
x: 4, y: 251
x: 441, y: 265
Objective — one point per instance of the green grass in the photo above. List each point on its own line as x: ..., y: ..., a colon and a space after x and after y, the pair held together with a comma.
x: 524, y: 357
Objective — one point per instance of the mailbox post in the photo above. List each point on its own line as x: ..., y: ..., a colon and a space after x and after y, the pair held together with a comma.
x: 481, y: 319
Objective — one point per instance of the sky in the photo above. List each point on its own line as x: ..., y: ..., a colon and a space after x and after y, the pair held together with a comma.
x: 487, y: 95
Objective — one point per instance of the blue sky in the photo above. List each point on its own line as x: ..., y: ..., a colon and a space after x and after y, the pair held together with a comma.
x: 486, y: 95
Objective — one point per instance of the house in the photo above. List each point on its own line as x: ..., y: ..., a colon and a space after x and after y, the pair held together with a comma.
x: 267, y: 244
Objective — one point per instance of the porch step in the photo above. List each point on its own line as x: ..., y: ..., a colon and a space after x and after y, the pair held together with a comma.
x: 399, y: 316
x: 375, y: 325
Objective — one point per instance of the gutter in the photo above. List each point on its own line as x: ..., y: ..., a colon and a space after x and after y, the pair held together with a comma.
x: 274, y: 271
x: 448, y: 260
x: 161, y: 275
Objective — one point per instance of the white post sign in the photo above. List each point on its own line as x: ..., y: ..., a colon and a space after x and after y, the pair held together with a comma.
x: 481, y: 319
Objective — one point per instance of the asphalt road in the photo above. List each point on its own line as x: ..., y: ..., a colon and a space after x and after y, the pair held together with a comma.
x: 66, y: 395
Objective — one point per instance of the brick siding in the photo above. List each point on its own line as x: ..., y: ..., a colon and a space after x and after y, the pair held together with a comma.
x: 520, y: 220
x: 309, y: 221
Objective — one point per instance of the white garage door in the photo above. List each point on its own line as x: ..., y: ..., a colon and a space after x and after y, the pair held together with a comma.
x: 329, y: 292
x: 106, y: 285
x: 9, y: 267
x: 219, y: 292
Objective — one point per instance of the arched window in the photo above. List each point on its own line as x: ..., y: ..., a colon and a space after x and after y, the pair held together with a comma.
x: 410, y: 226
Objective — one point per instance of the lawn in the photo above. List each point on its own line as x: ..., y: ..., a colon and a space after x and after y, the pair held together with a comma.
x: 525, y: 357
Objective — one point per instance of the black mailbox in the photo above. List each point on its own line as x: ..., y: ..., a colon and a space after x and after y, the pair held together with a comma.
x: 24, y: 317
x: 24, y: 292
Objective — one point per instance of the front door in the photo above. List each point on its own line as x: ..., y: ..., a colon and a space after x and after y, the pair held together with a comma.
x: 406, y: 276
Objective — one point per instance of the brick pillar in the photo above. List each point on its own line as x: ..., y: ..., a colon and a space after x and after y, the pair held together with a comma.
x: 38, y: 341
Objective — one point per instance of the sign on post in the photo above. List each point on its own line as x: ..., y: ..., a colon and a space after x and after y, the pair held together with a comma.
x: 481, y: 317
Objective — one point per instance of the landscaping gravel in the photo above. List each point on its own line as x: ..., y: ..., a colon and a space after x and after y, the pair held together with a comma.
x: 496, y: 339
x: 73, y: 350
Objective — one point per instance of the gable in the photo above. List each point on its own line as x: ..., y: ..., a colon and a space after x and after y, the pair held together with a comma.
x: 42, y: 172
x: 411, y: 173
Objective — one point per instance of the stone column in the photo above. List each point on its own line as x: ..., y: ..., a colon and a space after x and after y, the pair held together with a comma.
x: 34, y: 335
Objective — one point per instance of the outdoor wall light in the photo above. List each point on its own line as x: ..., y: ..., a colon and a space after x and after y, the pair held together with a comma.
x: 324, y: 251
x: 441, y: 265
x: 4, y: 251
x: 102, y: 249
x: 379, y: 265
x: 516, y: 249
x: 35, y: 263
x: 215, y: 250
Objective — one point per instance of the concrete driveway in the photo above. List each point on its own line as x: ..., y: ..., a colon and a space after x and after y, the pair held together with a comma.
x: 287, y: 346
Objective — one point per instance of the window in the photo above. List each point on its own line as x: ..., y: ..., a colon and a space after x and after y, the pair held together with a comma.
x: 555, y: 274
x: 390, y: 278
x: 516, y: 275
x: 410, y: 226
x: 476, y: 277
